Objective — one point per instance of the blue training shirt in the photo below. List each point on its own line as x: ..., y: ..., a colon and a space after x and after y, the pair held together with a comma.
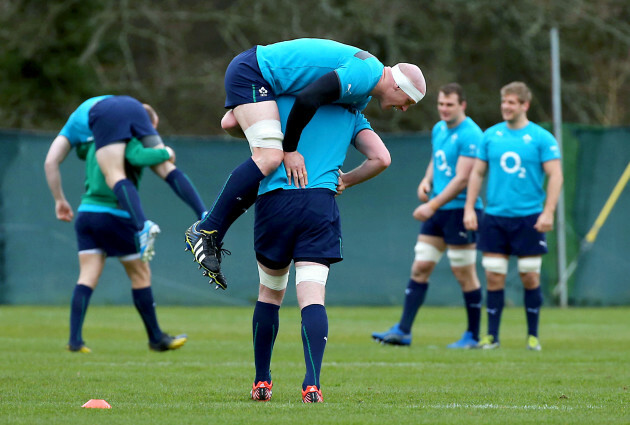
x: 324, y: 144
x: 76, y: 129
x: 515, y: 168
x: 289, y: 66
x: 448, y: 145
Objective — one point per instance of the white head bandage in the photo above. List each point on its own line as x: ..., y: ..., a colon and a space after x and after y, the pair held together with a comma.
x: 406, y: 85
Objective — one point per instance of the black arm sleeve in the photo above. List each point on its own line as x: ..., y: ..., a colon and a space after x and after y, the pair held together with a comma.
x: 324, y: 90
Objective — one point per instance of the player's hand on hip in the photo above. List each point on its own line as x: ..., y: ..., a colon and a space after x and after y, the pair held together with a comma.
x: 470, y: 219
x: 341, y: 186
x: 295, y: 168
x: 64, y: 211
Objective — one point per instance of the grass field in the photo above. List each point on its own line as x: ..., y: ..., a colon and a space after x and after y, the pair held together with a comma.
x: 582, y: 376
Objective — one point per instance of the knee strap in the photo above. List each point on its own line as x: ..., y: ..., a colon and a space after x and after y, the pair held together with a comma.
x: 317, y: 273
x: 265, y: 134
x: 427, y: 252
x: 461, y: 257
x: 277, y: 283
x: 495, y: 264
x: 529, y: 264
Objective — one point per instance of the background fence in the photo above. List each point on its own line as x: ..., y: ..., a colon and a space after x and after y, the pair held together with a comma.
x: 38, y: 261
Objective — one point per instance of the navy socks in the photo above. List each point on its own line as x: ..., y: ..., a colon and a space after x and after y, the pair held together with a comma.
x: 78, y: 308
x: 494, y: 307
x: 143, y: 300
x: 314, y: 337
x: 472, y: 300
x: 129, y: 200
x: 184, y: 188
x: 234, y: 198
x: 533, y: 299
x: 414, y: 297
x: 264, y: 330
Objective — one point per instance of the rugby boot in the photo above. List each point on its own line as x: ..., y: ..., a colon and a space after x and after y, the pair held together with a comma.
x: 488, y: 343
x: 78, y: 348
x: 168, y: 342
x: 466, y: 341
x: 533, y: 343
x: 312, y: 394
x: 261, y: 391
x: 146, y: 240
x: 207, y: 253
x: 393, y: 336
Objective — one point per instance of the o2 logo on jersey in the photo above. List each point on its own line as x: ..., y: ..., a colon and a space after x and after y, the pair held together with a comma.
x: 511, y: 163
x: 441, y: 164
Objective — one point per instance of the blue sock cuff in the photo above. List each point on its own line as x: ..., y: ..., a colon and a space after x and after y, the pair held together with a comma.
x: 173, y: 175
x: 533, y: 297
x: 313, y: 309
x: 267, y: 306
x: 472, y: 297
x: 83, y: 289
x: 251, y: 167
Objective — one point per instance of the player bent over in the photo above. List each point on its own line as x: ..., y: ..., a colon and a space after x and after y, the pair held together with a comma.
x: 105, y: 230
x: 303, y: 226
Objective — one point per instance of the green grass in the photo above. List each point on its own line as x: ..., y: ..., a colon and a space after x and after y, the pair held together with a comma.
x: 582, y: 376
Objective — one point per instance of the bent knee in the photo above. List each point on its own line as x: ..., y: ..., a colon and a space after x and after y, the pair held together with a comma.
x: 268, y: 160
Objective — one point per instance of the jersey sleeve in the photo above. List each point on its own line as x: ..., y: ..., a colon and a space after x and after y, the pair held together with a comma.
x: 549, y: 148
x: 469, y: 143
x: 361, y: 123
x: 139, y: 156
x: 69, y: 130
x: 482, y: 149
x: 356, y: 80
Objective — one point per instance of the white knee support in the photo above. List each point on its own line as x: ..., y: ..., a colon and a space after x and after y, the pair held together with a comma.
x: 427, y: 252
x: 277, y: 283
x: 529, y: 264
x: 265, y: 134
x: 461, y: 257
x: 495, y: 264
x: 317, y: 273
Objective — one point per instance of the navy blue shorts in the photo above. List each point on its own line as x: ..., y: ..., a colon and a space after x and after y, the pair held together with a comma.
x: 511, y: 236
x: 105, y: 233
x: 244, y: 83
x: 119, y: 118
x: 449, y: 225
x: 297, y: 224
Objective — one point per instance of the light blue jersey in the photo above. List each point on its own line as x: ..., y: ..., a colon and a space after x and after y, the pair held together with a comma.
x: 289, y: 66
x: 448, y: 145
x: 324, y: 145
x: 515, y: 168
x: 76, y: 129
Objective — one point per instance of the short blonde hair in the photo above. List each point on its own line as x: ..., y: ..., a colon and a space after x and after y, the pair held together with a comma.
x: 518, y: 88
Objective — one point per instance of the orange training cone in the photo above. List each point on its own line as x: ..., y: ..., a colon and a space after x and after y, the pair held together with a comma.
x: 97, y: 404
